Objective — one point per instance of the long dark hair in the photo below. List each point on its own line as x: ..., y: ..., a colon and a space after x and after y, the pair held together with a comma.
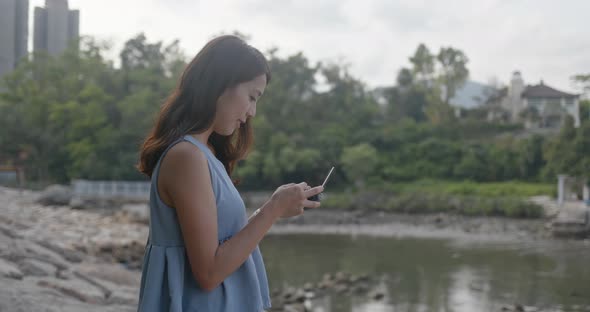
x: 223, y: 63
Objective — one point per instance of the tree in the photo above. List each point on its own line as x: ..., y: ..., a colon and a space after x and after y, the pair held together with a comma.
x: 453, y: 71
x: 531, y: 158
x: 407, y: 99
x: 77, y: 116
x: 358, y: 162
x: 423, y: 65
x: 583, y: 81
x: 560, y: 152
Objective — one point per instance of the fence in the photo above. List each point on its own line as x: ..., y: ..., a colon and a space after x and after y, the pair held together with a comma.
x: 10, y: 175
x: 129, y: 190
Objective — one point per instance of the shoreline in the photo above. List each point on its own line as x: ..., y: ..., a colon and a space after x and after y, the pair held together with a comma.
x: 433, y: 226
x: 315, y: 221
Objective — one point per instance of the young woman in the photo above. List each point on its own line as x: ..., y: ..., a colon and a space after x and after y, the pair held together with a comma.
x: 202, y: 253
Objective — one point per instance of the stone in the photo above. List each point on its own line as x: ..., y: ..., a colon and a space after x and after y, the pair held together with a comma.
x: 299, y: 307
x: 32, y: 267
x: 10, y: 270
x: 378, y: 296
x: 360, y: 288
x: 114, y: 274
x: 340, y: 277
x: 300, y: 295
x: 77, y: 203
x: 55, y: 195
x: 137, y: 212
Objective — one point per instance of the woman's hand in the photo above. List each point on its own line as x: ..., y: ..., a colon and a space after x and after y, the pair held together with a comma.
x: 290, y: 199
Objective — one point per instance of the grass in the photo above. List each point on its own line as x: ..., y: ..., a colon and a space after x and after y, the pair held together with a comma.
x: 507, y: 199
x: 494, y: 189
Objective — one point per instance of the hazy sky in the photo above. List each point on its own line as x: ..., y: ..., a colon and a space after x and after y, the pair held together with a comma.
x: 547, y: 40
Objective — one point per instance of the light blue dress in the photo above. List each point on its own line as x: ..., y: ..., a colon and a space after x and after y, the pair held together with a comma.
x: 167, y: 283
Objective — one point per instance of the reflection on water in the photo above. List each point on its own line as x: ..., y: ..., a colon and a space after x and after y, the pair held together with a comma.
x: 436, y: 275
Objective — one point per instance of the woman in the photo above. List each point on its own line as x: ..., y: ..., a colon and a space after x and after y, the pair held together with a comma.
x: 202, y: 253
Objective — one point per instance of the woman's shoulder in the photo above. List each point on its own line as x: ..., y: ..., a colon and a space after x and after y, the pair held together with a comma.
x: 182, y: 167
x: 184, y: 155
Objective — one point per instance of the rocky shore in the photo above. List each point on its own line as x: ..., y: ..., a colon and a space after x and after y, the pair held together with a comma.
x: 55, y: 258
x: 49, y: 260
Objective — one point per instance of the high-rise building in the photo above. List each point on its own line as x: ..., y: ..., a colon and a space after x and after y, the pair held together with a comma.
x: 55, y: 26
x: 14, y: 21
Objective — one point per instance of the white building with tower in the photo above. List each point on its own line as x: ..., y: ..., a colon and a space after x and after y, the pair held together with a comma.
x: 540, y: 105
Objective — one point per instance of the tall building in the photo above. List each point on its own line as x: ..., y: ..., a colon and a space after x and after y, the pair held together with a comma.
x: 55, y: 26
x: 14, y: 21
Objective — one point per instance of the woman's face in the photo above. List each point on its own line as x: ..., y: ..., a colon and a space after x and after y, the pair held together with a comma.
x: 237, y: 104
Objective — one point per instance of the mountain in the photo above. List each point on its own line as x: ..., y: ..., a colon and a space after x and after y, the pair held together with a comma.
x: 471, y: 95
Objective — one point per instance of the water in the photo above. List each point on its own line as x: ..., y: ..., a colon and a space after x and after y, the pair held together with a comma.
x: 436, y: 275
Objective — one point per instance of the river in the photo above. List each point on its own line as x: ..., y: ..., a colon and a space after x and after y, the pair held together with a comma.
x: 435, y: 275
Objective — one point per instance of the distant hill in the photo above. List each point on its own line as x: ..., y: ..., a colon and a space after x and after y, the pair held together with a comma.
x: 471, y: 95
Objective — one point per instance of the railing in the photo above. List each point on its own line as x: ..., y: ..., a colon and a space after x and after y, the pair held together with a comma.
x: 131, y: 190
x: 9, y: 175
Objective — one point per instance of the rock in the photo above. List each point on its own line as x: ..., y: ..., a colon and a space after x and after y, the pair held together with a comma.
x: 326, y: 284
x: 341, y: 288
x: 300, y: 295
x: 95, y: 203
x: 32, y: 267
x: 288, y: 294
x: 363, y: 278
x: 74, y: 290
x: 476, y: 287
x: 10, y: 270
x: 55, y: 195
x: 378, y: 295
x: 340, y: 277
x: 307, y: 305
x: 77, y: 203
x: 298, y: 307
x: 70, y: 255
x: 129, y: 254
x: 360, y: 288
x: 137, y: 212
x: 116, y: 275
x: 438, y: 219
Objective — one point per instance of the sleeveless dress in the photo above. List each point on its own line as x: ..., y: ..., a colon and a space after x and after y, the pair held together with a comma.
x: 167, y: 283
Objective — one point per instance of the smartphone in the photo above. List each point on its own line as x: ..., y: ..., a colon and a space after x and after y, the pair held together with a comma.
x: 317, y: 197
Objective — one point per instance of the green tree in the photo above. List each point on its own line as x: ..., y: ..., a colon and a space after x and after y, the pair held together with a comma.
x: 453, y: 71
x: 583, y: 80
x: 423, y: 66
x: 560, y: 152
x: 359, y: 162
x: 531, y: 158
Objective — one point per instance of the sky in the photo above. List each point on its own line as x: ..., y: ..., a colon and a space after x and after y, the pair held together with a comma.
x: 548, y: 40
